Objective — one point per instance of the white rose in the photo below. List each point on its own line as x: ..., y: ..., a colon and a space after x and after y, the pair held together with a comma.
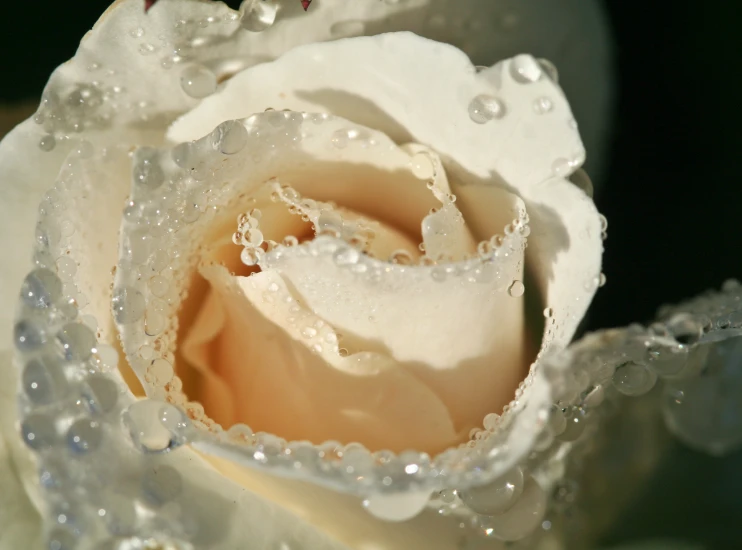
x: 380, y: 130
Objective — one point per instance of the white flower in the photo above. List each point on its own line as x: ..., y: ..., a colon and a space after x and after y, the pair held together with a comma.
x: 401, y: 123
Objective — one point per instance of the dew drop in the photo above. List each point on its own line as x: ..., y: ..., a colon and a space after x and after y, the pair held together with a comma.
x: 39, y: 431
x: 549, y: 69
x: 250, y: 256
x: 346, y: 256
x: 43, y: 381
x: 633, y: 379
x: 398, y: 507
x: 524, y: 69
x: 495, y: 497
x: 401, y: 257
x: 47, y: 143
x: 147, y: 170
x: 77, y: 341
x: 84, y: 436
x: 229, y: 137
x: 543, y: 105
x: 516, y: 289
x: 29, y: 335
x: 561, y: 167
x: 154, y: 426
x: 128, y: 305
x: 197, y: 81
x: 100, y: 393
x: 422, y: 166
x: 162, y: 484
x: 41, y: 288
x: 257, y: 15
x: 484, y: 108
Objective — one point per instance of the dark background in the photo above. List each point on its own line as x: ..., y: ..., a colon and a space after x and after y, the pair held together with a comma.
x: 673, y: 196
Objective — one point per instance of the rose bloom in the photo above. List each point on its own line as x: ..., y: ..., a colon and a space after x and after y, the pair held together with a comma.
x: 368, y: 241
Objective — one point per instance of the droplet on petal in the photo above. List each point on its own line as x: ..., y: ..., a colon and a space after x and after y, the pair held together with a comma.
x: 197, y: 81
x: 256, y: 15
x: 484, y: 108
x: 516, y: 289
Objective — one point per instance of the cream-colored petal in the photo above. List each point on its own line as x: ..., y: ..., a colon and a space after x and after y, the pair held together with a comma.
x: 455, y: 327
x: 371, y: 80
x: 20, y: 524
x: 284, y: 363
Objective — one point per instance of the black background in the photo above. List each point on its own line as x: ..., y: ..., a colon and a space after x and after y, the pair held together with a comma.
x: 673, y: 195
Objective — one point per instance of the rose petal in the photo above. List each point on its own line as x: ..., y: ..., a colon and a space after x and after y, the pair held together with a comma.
x: 293, y: 381
x: 521, y: 146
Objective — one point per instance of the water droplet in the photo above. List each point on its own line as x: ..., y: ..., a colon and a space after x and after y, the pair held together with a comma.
x: 162, y: 484
x: 155, y: 426
x: 197, y: 81
x: 345, y: 29
x: 100, y: 393
x: 29, y: 335
x: 340, y: 139
x: 257, y: 15
x: 77, y: 341
x: 633, y: 379
x: 161, y: 371
x: 524, y: 69
x: 401, y: 257
x: 561, y: 167
x: 484, y: 108
x: 147, y: 171
x: 516, y: 289
x: 549, y: 69
x: 250, y: 256
x: 548, y: 313
x: 43, y: 381
x: 47, y: 143
x: 84, y: 436
x: 128, y: 305
x: 602, y: 280
x: 41, y: 288
x: 39, y: 431
x: 543, y: 105
x: 497, y: 496
x: 398, y: 507
x: 66, y: 268
x: 229, y: 137
x: 582, y: 181
x: 346, y: 256
x: 422, y: 165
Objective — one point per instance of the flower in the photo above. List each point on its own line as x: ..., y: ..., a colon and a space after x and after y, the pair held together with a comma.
x: 501, y: 139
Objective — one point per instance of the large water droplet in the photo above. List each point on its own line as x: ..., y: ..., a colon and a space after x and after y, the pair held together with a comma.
x: 39, y: 431
x: 633, y: 379
x: 41, y: 288
x: 155, y: 426
x: 43, y: 381
x: 29, y: 335
x: 257, y: 15
x: 229, y: 137
x: 147, y: 170
x: 162, y: 484
x: 484, y: 108
x: 520, y: 520
x: 516, y: 289
x: 197, y: 81
x: 100, y: 393
x: 128, y: 305
x: 77, y: 341
x: 84, y: 436
x: 400, y: 507
x: 524, y: 69
x: 543, y: 105
x: 495, y: 497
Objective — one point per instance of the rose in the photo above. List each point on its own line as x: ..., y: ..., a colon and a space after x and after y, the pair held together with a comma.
x: 461, y: 159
